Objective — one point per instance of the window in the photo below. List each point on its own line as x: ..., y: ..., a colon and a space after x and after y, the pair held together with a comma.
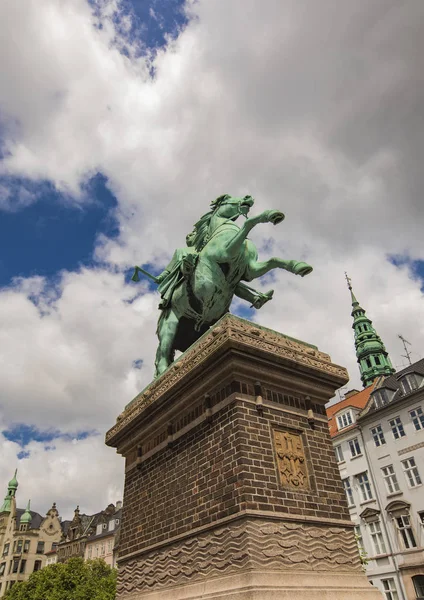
x: 37, y: 565
x: 2, y: 568
x: 377, y: 537
x: 358, y: 537
x: 344, y: 420
x: 390, y: 479
x: 355, y: 448
x: 15, y: 565
x: 89, y: 552
x: 112, y: 524
x: 381, y: 398
x: 408, y: 383
x: 390, y: 589
x: 348, y: 491
x: 19, y: 546
x: 418, y: 582
x: 103, y: 548
x: 110, y: 546
x: 411, y: 472
x: 364, y: 486
x: 339, y: 453
x: 99, y: 528
x: 23, y: 565
x: 405, y: 530
x: 40, y: 547
x: 378, y: 435
x: 26, y: 545
x: 6, y: 549
x: 417, y: 417
x: 397, y: 428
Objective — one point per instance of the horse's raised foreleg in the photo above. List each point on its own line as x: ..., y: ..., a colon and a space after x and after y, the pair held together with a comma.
x: 233, y: 245
x: 167, y: 330
x: 257, y: 269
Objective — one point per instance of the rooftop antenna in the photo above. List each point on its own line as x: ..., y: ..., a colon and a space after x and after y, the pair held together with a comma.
x: 407, y: 354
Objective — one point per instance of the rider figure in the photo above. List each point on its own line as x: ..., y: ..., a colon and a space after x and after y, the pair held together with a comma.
x: 182, y: 266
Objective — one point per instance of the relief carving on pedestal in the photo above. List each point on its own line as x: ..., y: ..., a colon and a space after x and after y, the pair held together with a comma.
x: 291, y: 459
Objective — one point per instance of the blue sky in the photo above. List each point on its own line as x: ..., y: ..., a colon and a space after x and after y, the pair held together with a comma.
x: 118, y: 127
x: 56, y: 232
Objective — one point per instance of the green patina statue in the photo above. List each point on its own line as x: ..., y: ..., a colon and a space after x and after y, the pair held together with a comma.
x: 199, y: 283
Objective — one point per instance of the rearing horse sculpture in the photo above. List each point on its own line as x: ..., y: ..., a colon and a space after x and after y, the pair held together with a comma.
x: 199, y: 284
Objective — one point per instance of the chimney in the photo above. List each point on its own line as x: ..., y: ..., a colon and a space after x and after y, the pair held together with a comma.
x: 118, y: 504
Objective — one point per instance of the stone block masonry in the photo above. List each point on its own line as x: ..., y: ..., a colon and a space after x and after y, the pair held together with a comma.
x: 231, y: 487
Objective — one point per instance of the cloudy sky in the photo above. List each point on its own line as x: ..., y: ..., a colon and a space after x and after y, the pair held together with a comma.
x: 119, y: 122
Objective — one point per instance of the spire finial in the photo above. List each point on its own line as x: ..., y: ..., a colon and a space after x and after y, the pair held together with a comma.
x: 349, y: 281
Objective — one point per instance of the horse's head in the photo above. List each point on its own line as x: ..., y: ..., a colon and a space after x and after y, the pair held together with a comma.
x: 230, y: 207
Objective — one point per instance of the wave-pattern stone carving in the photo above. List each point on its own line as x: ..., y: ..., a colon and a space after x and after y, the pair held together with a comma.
x: 229, y: 327
x: 255, y: 544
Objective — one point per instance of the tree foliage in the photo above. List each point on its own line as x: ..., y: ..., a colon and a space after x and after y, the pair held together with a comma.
x: 73, y: 580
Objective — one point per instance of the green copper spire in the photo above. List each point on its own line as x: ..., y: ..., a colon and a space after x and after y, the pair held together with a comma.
x: 11, y: 491
x: 373, y: 359
x: 26, y: 517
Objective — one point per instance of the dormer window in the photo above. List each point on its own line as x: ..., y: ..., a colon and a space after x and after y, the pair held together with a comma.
x: 99, y: 528
x: 345, y: 419
x: 111, y: 524
x: 409, y: 383
x: 382, y: 397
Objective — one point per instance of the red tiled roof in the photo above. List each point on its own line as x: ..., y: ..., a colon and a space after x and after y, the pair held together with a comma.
x: 358, y: 400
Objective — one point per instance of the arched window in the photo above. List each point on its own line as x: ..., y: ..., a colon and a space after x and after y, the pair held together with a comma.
x: 418, y: 582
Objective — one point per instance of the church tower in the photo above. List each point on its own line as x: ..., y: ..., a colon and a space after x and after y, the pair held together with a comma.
x: 11, y: 493
x: 372, y: 357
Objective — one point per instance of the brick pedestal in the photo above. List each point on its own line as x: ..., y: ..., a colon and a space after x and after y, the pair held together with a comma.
x: 231, y: 486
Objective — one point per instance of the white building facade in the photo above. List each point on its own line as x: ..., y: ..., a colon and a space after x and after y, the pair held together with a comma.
x: 378, y: 437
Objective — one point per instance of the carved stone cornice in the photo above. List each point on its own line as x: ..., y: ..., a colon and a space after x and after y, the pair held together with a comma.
x: 251, y: 339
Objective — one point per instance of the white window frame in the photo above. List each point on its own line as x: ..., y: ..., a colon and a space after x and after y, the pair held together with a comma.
x: 339, y: 453
x: 364, y: 485
x: 390, y: 479
x: 406, y: 533
x: 409, y: 383
x: 381, y: 398
x: 359, y: 538
x: 397, y: 428
x: 378, y: 435
x: 355, y: 447
x: 345, y: 419
x: 389, y: 588
x: 411, y: 472
x: 348, y: 491
x: 417, y: 418
x: 377, y: 537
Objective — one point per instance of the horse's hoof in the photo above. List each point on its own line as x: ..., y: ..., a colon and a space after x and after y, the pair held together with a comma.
x: 302, y: 269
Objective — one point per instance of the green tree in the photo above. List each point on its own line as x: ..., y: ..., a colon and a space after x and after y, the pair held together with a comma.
x: 73, y: 580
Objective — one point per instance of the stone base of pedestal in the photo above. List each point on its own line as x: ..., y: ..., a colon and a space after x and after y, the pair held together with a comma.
x: 232, y: 490
x: 251, y: 559
x: 271, y: 585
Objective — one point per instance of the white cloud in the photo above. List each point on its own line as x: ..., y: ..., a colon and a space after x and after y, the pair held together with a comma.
x: 64, y: 475
x: 313, y: 107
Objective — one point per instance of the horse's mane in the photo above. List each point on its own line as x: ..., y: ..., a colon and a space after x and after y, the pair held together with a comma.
x: 201, y: 228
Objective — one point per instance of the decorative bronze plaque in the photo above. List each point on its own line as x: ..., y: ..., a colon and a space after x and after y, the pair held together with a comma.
x: 291, y: 459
